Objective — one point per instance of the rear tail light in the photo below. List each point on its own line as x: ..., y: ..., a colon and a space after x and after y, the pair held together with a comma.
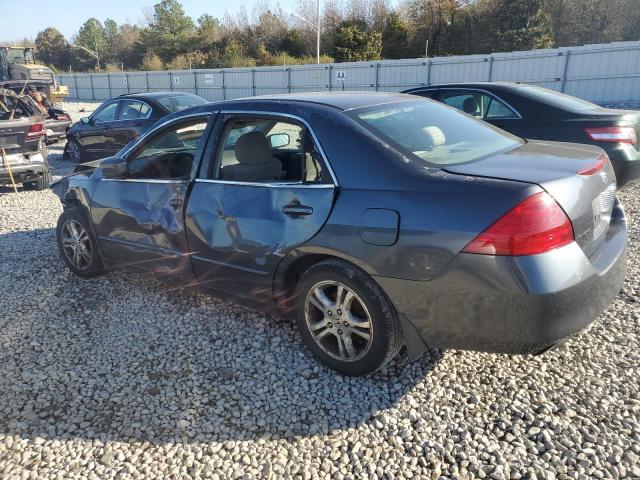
x: 594, y: 166
x: 613, y: 134
x: 536, y: 225
x: 63, y: 117
x: 35, y: 130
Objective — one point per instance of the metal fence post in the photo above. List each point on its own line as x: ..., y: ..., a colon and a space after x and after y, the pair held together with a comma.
x: 75, y: 82
x: 289, y: 79
x: 490, y: 67
x: 253, y: 82
x: 428, y: 72
x: 126, y: 75
x: 330, y: 77
x: 146, y: 81
x: 224, y: 92
x: 170, y: 80
x: 377, y: 75
x: 109, y: 85
x: 195, y: 82
x: 566, y: 69
x: 93, y: 93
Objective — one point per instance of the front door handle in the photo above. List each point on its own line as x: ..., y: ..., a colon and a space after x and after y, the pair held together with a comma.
x: 296, y: 209
x: 175, y: 202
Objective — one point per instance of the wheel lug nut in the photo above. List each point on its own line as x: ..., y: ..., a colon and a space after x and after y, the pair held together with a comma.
x: 339, y: 312
x: 330, y: 324
x: 339, y: 331
x: 345, y: 324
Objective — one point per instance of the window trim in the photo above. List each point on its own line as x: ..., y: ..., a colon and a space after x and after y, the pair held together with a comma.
x: 281, y: 184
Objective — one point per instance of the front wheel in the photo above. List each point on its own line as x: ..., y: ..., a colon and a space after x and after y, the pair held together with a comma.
x: 72, y: 151
x: 346, y: 319
x: 42, y: 183
x: 77, y: 244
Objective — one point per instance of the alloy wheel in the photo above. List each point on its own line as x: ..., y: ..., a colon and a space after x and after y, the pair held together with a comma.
x: 338, y: 321
x: 76, y: 244
x: 74, y: 151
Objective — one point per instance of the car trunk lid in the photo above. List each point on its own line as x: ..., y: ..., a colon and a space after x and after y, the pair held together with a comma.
x: 586, y: 198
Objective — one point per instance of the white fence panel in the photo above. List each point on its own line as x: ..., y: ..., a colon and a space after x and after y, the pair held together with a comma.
x: 601, y: 73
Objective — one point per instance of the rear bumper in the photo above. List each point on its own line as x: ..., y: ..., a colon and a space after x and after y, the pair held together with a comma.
x: 56, y: 129
x: 514, y: 304
x: 625, y: 160
x: 23, y: 170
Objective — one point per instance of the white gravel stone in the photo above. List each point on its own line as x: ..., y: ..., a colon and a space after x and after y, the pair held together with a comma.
x: 122, y: 376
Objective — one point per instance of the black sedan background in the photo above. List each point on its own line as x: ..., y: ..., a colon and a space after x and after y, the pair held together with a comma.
x: 539, y: 113
x: 119, y: 121
x: 376, y: 220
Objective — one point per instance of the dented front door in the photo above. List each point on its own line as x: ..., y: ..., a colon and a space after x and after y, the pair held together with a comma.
x: 140, y: 223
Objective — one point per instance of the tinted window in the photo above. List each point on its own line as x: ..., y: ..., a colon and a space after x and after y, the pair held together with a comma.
x: 554, y: 98
x: 431, y: 133
x: 106, y: 113
x: 133, y: 110
x: 180, y: 102
x: 170, y: 153
x: 478, y: 104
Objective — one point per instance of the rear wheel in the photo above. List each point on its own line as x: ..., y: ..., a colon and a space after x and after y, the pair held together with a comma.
x: 345, y: 318
x: 77, y: 245
x: 42, y: 183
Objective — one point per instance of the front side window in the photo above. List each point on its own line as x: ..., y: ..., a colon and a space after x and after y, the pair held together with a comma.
x: 170, y: 153
x: 134, y: 110
x: 430, y: 133
x: 267, y: 150
x: 106, y: 113
x: 478, y: 104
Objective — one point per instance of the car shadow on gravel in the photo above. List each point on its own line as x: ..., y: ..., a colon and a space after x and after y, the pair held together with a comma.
x: 127, y: 358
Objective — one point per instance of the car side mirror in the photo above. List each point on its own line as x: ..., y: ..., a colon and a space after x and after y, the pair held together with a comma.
x: 114, y: 167
x: 85, y: 120
x: 278, y: 140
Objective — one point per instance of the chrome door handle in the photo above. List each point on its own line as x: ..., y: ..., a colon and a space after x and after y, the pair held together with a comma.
x: 296, y: 210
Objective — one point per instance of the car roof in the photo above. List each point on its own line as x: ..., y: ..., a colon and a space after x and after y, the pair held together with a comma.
x: 486, y: 85
x: 338, y: 100
x: 155, y: 95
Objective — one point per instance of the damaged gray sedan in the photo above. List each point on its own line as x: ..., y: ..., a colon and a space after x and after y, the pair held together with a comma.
x: 377, y: 221
x: 23, y: 153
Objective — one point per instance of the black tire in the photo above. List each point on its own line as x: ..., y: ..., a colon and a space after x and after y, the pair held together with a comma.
x: 68, y: 151
x: 86, y: 268
x: 42, y: 183
x: 385, y: 340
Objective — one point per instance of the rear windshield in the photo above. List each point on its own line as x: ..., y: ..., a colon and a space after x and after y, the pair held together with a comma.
x: 556, y: 99
x: 434, y: 133
x: 181, y: 102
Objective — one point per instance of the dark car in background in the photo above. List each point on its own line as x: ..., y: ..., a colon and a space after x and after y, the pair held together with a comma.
x: 23, y: 154
x: 117, y: 122
x: 539, y: 113
x: 57, y: 120
x: 377, y: 220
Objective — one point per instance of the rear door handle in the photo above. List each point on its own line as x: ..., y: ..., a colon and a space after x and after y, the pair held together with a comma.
x: 297, y: 210
x: 175, y: 202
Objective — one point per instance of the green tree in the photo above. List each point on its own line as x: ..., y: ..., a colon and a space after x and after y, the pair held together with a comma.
x: 170, y: 32
x: 52, y: 48
x: 91, y: 36
x: 354, y: 42
x: 520, y: 25
x: 233, y: 56
x: 395, y: 37
x: 151, y: 61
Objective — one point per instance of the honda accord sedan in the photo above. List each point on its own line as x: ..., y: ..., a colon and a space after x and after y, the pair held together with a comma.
x: 376, y: 220
x: 535, y: 112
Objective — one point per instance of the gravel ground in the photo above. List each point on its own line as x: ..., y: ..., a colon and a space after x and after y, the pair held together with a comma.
x: 125, y: 377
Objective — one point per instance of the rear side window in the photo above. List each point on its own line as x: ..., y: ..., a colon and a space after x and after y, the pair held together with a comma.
x: 106, y: 114
x: 430, y: 133
x: 134, y: 110
x: 478, y: 104
x: 181, y: 102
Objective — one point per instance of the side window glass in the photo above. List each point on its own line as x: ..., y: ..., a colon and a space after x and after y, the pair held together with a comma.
x: 106, y: 114
x: 133, y: 110
x: 266, y: 151
x: 170, y: 153
x: 498, y: 109
x: 467, y: 102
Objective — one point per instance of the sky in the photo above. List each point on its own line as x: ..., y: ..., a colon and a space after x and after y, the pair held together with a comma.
x: 68, y: 15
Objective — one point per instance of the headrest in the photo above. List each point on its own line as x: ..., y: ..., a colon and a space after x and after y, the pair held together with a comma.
x: 470, y: 106
x: 253, y: 149
x: 435, y: 136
